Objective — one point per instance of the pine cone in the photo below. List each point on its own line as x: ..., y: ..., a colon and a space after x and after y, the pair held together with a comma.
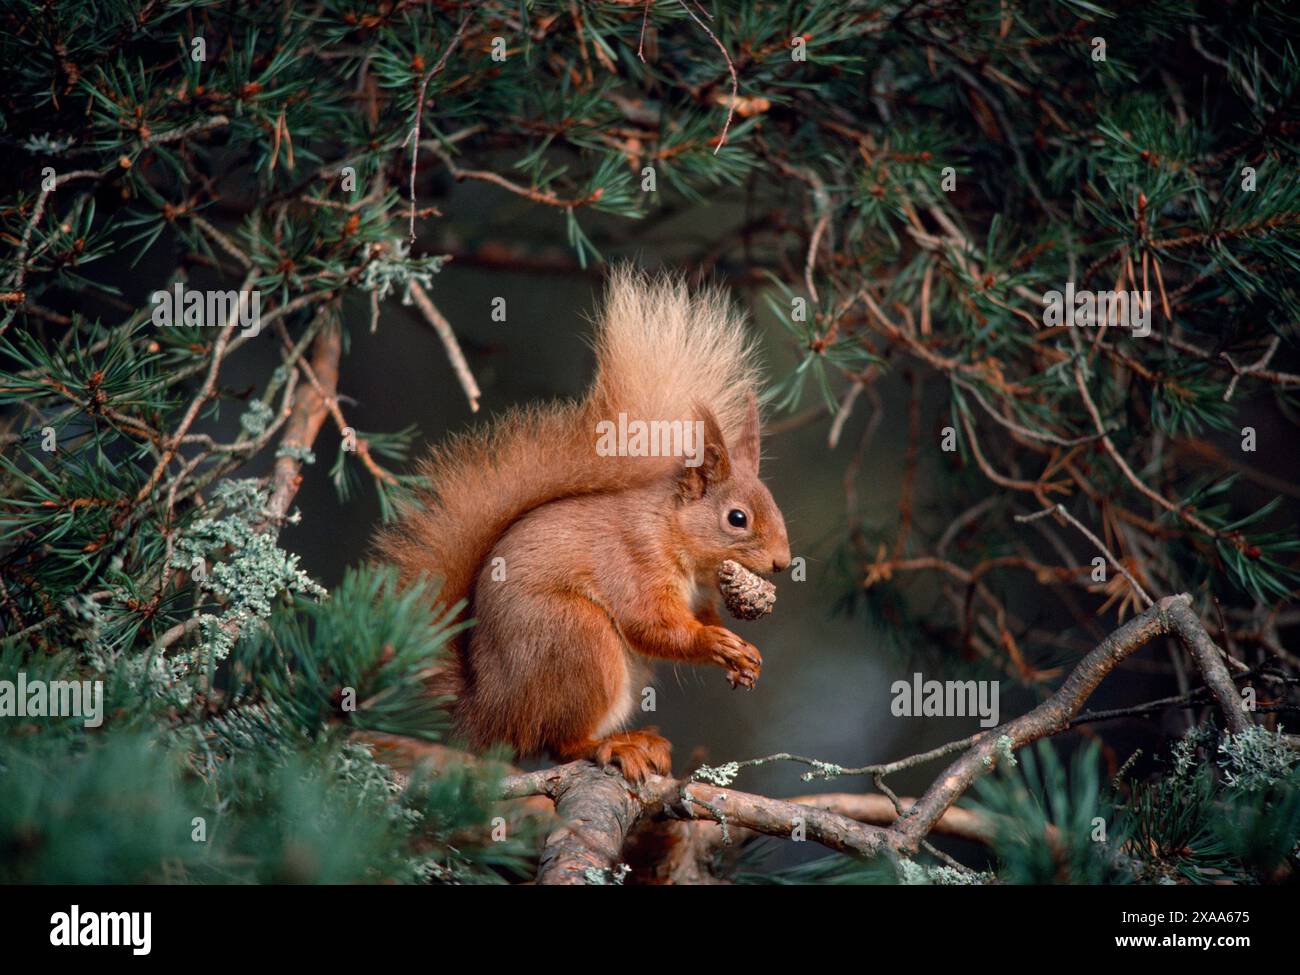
x: 747, y: 596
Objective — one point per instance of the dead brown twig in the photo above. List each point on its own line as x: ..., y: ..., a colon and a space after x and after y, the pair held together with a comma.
x: 454, y: 354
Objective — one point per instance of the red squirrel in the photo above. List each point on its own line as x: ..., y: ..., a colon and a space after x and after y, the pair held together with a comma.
x: 576, y: 565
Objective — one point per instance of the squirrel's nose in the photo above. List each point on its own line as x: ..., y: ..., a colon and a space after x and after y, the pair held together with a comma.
x: 778, y: 565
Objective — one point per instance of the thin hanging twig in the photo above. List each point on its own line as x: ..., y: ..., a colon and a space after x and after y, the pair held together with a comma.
x: 731, y: 67
x: 413, y: 139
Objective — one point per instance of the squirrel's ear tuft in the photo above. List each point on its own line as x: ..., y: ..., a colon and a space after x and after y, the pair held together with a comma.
x: 708, y: 463
x: 746, y: 450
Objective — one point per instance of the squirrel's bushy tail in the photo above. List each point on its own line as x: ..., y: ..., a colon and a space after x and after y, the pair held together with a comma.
x: 660, y: 351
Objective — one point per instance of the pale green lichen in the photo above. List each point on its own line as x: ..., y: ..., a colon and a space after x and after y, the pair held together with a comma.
x: 256, y: 418
x: 1184, y: 751
x: 395, y: 268
x: 727, y: 772
x: 913, y: 874
x: 46, y: 144
x: 722, y: 775
x: 89, y: 627
x: 606, y: 876
x: 298, y: 452
x: 1004, y: 753
x: 1256, y: 758
x: 233, y: 560
x: 823, y: 770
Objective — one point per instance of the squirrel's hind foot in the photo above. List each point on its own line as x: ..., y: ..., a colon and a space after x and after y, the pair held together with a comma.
x: 637, y: 754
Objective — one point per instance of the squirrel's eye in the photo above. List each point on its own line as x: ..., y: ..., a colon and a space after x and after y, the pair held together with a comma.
x: 736, y: 518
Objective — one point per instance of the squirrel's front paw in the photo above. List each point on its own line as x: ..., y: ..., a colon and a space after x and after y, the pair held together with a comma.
x: 740, y: 659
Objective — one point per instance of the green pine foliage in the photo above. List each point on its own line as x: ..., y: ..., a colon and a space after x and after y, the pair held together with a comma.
x: 1052, y: 825
x: 255, y: 777
x: 1225, y: 809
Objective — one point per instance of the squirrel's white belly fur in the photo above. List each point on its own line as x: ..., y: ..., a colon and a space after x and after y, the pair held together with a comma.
x: 618, y: 713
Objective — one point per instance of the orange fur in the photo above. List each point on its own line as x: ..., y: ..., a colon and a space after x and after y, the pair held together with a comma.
x: 606, y: 559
